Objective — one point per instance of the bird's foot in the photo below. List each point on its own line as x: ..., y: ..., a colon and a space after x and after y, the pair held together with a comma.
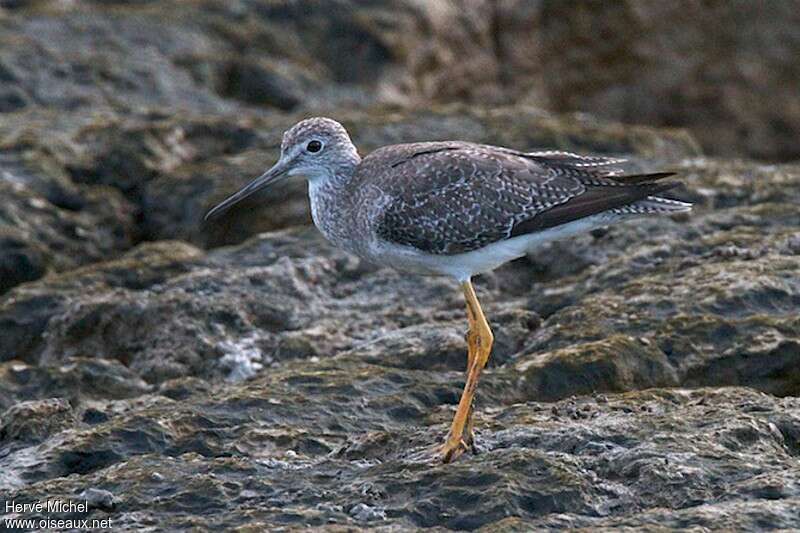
x: 453, y: 448
x: 450, y: 452
x: 469, y: 441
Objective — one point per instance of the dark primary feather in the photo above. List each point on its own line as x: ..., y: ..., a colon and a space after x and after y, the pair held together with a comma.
x: 642, y: 178
x: 454, y: 197
x: 594, y: 200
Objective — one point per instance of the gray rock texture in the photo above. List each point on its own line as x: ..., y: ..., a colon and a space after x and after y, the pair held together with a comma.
x: 275, y: 453
x: 284, y: 382
x: 727, y: 72
x: 244, y: 374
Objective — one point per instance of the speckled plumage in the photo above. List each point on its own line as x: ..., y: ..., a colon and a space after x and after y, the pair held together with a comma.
x: 438, y: 203
x: 456, y: 209
x: 455, y: 197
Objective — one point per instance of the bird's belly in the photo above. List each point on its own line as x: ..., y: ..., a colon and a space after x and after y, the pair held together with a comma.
x: 404, y: 258
x: 459, y: 266
x: 465, y: 265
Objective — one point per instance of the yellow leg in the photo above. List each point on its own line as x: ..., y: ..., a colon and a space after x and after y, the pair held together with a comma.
x: 479, y: 341
x: 472, y: 350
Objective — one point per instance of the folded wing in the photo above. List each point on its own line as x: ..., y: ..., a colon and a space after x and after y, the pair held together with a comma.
x: 449, y: 198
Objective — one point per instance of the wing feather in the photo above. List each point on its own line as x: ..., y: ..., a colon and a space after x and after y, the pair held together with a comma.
x: 452, y: 197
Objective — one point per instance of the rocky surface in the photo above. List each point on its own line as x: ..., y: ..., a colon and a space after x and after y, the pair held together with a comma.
x: 725, y: 73
x: 246, y: 374
x: 730, y: 75
x: 48, y: 223
x: 93, y: 190
x: 701, y: 300
x: 275, y: 382
x: 275, y: 453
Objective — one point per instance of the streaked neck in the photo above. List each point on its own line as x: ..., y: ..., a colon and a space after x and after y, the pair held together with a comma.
x: 333, y: 176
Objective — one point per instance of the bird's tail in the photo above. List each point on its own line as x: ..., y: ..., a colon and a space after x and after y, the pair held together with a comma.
x: 653, y: 205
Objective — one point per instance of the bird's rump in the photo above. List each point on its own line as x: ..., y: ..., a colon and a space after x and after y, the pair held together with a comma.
x: 450, y: 198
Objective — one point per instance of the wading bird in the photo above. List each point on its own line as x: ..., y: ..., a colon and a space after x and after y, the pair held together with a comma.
x: 455, y: 209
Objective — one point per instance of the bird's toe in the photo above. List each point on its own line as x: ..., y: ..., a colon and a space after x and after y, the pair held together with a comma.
x: 450, y: 452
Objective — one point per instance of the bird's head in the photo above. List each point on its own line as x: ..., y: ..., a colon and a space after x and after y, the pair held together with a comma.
x: 318, y: 148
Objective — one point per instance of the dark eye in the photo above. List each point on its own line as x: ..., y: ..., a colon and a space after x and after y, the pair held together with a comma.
x: 314, y: 146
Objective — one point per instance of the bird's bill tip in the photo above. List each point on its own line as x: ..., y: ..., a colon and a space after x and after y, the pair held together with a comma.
x: 223, y: 206
x: 265, y: 180
x: 213, y: 212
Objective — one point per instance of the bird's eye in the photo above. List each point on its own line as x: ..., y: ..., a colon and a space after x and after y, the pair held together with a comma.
x: 314, y: 146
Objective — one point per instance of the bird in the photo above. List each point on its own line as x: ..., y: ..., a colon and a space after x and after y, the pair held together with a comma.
x: 455, y: 209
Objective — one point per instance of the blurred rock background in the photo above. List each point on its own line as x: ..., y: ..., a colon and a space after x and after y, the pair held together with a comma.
x: 244, y: 372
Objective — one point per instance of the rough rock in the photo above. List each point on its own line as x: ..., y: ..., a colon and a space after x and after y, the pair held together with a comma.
x: 174, y: 169
x: 728, y: 75
x: 49, y: 224
x: 715, y: 70
x: 295, y: 384
x: 35, y: 420
x: 74, y: 378
x: 63, y: 213
x: 245, y: 374
x: 276, y: 452
x: 167, y: 311
x: 719, y: 297
x: 168, y: 172
x: 708, y: 299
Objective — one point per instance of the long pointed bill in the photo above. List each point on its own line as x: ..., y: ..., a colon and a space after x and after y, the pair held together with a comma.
x: 269, y: 177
